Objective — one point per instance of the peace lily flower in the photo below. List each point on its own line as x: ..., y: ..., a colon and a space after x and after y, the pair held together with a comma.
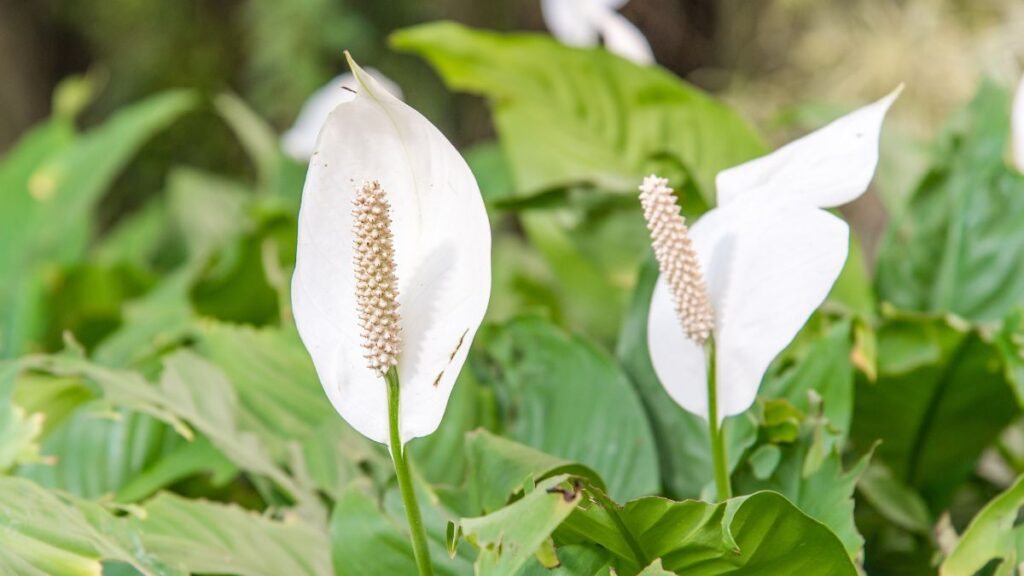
x: 299, y: 141
x: 587, y: 22
x: 737, y: 287
x: 1018, y: 127
x: 392, y: 272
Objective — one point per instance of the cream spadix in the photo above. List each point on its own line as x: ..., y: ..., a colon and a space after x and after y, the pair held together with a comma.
x: 382, y: 168
x: 769, y: 254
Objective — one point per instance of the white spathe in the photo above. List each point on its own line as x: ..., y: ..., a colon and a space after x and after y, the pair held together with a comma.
x: 1017, y: 127
x: 770, y: 254
x: 588, y: 22
x: 442, y: 244
x: 299, y: 141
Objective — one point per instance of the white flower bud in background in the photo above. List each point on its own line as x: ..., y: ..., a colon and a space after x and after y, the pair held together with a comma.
x: 590, y: 22
x: 299, y: 141
x: 1017, y: 127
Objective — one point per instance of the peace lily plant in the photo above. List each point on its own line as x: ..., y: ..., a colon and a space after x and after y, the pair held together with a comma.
x: 392, y: 273
x: 736, y: 288
x: 588, y: 22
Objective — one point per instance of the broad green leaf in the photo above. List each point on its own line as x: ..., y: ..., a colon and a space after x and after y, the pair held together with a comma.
x: 499, y: 468
x: 1010, y: 342
x: 42, y: 534
x: 366, y: 541
x: 940, y: 399
x: 761, y: 534
x: 155, y: 321
x: 956, y: 247
x: 208, y: 210
x: 96, y: 451
x: 281, y: 401
x: 87, y: 300
x: 588, y: 298
x: 810, y: 474
x: 565, y: 397
x: 574, y: 560
x: 191, y: 393
x: 20, y: 319
x: 279, y: 176
x: 185, y: 460
x: 197, y: 536
x: 995, y: 533
x: 508, y: 537
x: 441, y: 456
x: 684, y: 446
x: 569, y: 115
x: 136, y: 239
x: 822, y: 369
x: 894, y: 500
x: 54, y: 194
x: 200, y: 393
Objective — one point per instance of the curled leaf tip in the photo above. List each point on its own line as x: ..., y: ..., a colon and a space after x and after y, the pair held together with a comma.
x: 677, y: 258
x: 376, y: 280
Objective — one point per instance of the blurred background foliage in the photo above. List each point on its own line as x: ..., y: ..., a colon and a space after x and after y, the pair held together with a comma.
x: 147, y: 235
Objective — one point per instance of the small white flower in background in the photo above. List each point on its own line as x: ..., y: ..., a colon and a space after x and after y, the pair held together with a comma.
x: 1017, y: 127
x: 589, y: 22
x: 754, y: 268
x: 393, y: 262
x: 300, y: 140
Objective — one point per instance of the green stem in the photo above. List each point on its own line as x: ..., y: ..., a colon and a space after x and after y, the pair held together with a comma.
x: 613, y: 510
x: 721, y: 463
x: 398, y: 456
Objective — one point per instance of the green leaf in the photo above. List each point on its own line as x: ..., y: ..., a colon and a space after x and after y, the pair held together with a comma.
x: 565, y: 397
x: 208, y: 210
x: 684, y: 445
x: 956, y: 247
x: 817, y: 485
x: 366, y: 541
x: 573, y: 560
x: 42, y: 534
x: 569, y: 115
x: 281, y: 401
x: 97, y: 451
x: 196, y: 536
x: 940, y: 399
x: 823, y: 370
x: 499, y: 468
x: 441, y: 456
x: 894, y: 500
x: 508, y: 537
x: 1010, y: 342
x: 995, y: 533
x: 55, y: 192
x: 760, y: 534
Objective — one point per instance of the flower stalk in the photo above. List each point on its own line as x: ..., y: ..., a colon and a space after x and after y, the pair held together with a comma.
x: 681, y: 269
x: 720, y: 461
x: 401, y: 461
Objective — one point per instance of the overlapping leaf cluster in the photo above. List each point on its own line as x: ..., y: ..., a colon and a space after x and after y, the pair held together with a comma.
x: 159, y: 416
